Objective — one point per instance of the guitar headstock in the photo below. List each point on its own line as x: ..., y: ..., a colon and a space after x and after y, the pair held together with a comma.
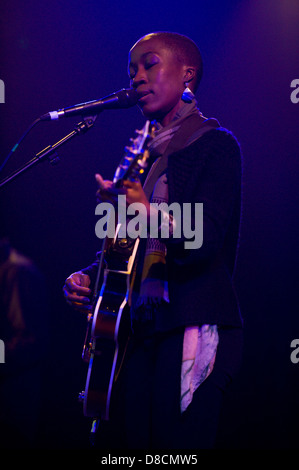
x: 136, y: 156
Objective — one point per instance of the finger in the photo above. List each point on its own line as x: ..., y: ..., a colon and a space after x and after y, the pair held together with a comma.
x: 132, y: 184
x: 107, y: 186
x: 111, y: 190
x: 81, y: 308
x: 71, y: 286
x: 84, y: 280
x: 69, y: 295
x: 73, y: 296
x: 104, y: 185
x: 99, y: 180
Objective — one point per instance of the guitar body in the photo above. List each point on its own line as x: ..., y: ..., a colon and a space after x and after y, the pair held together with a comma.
x: 110, y: 328
x: 109, y: 325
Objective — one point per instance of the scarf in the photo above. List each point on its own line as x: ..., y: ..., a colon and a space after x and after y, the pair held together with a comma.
x: 150, y: 287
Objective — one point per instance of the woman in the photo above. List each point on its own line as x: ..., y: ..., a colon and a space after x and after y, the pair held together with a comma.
x: 187, y: 328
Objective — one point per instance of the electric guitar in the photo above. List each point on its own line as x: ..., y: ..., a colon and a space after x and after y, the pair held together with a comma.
x: 108, y: 326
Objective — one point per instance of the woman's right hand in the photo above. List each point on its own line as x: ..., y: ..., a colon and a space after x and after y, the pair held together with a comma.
x: 77, y: 292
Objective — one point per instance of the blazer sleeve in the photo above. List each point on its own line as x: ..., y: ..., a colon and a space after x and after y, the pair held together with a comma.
x: 208, y: 172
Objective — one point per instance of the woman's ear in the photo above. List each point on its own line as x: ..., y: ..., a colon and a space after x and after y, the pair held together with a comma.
x: 189, y: 75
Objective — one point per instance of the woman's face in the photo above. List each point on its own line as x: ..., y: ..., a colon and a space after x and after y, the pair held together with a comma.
x: 158, y: 77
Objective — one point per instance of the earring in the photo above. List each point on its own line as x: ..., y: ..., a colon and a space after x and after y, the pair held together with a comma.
x: 187, y: 95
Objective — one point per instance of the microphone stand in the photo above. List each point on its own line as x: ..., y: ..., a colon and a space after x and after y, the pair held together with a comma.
x: 50, y: 151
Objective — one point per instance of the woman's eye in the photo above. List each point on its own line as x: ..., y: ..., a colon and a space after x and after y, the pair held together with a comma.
x: 149, y: 65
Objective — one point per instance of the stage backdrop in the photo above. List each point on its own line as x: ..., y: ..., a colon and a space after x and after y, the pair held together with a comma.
x: 60, y: 53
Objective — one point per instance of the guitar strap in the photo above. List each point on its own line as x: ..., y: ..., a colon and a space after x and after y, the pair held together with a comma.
x: 190, y: 130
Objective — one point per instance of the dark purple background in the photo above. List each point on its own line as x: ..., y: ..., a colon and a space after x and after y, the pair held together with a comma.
x: 59, y: 53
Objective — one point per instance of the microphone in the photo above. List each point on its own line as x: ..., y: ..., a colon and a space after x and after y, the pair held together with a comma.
x: 124, y: 98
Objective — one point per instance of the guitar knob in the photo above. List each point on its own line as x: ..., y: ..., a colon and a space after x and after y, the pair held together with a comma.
x: 123, y: 242
x: 81, y: 397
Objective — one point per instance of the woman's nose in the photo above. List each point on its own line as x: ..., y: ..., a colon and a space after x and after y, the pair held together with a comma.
x: 139, y: 78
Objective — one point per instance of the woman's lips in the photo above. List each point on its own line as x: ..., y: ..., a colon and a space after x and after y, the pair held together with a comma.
x: 143, y: 96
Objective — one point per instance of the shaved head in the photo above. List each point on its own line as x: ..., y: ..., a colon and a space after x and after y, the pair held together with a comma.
x: 183, y: 48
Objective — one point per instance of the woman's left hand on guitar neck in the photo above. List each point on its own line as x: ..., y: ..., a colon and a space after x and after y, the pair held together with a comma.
x: 133, y: 191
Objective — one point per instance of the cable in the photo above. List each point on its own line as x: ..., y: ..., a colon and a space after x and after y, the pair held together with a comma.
x: 18, y: 143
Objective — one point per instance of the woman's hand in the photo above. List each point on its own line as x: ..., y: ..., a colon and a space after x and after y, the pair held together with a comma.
x: 131, y: 189
x: 77, y: 292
